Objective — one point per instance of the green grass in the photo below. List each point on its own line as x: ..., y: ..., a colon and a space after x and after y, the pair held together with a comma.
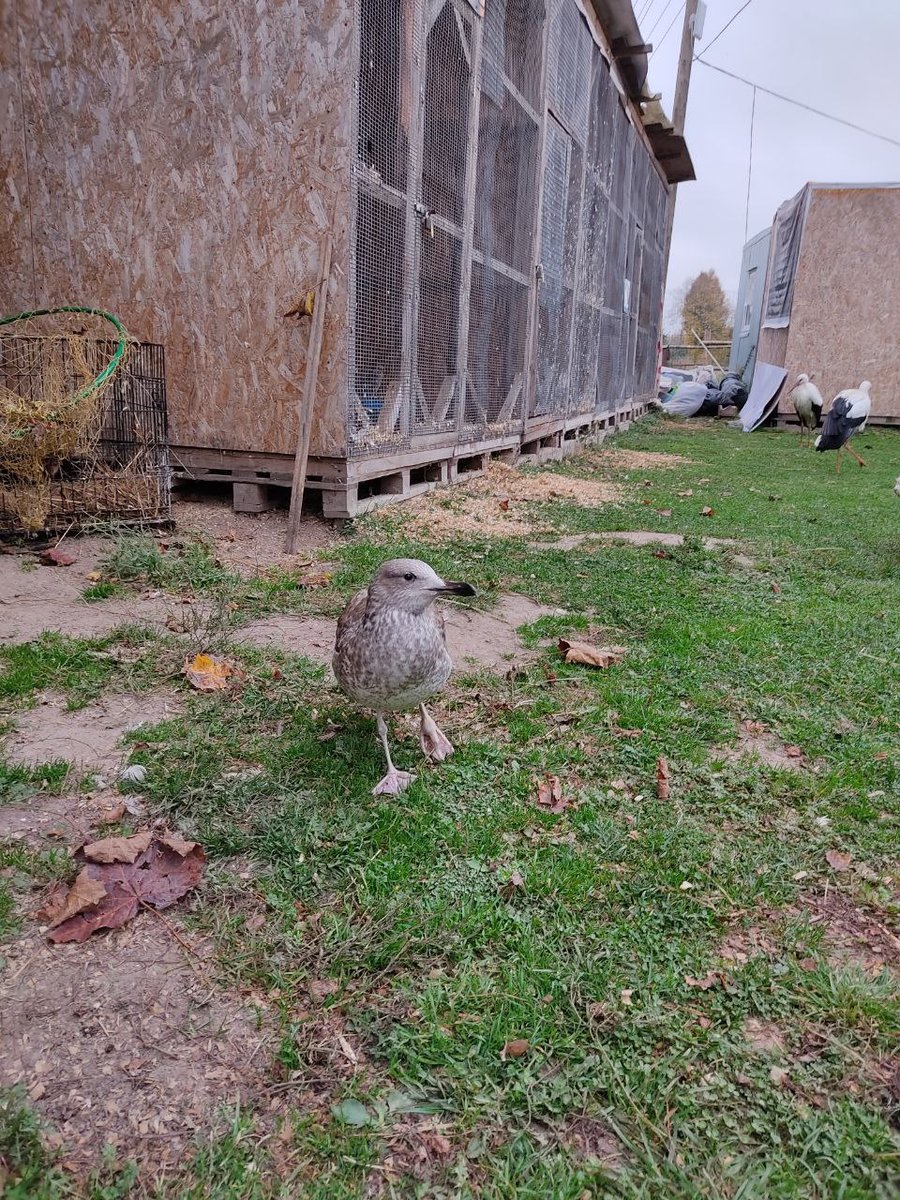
x: 440, y: 958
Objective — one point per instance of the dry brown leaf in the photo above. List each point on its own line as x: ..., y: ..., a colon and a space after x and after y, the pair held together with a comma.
x: 838, y: 860
x: 707, y: 511
x: 550, y: 795
x: 64, y: 902
x: 754, y: 726
x: 660, y: 554
x: 110, y: 815
x: 516, y: 1048
x: 775, y: 587
x: 793, y: 751
x: 157, y: 878
x: 664, y: 512
x: 779, y: 1076
x: 504, y: 505
x: 515, y: 883
x: 711, y: 980
x: 321, y: 989
x: 687, y: 492
x: 625, y: 996
x: 591, y: 656
x: 56, y: 558
x: 118, y: 849
x: 94, y: 576
x: 662, y: 778
x: 807, y: 964
x: 177, y: 843
x: 207, y: 672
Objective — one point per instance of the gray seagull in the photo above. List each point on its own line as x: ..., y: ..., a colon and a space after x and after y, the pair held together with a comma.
x: 390, y: 654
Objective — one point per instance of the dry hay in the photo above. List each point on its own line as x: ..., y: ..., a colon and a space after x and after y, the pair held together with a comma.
x: 53, y: 375
x: 496, y: 504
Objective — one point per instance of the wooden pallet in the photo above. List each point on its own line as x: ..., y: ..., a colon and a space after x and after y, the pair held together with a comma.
x: 348, y: 487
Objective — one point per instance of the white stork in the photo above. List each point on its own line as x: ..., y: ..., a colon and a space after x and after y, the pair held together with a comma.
x: 848, y: 415
x: 807, y: 401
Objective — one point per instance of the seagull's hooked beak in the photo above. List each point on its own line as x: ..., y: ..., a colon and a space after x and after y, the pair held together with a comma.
x: 455, y: 588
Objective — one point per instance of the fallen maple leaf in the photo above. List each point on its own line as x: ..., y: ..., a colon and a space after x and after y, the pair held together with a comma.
x: 64, y: 902
x: 56, y: 558
x: 157, y: 878
x: 591, y: 656
x: 118, y: 849
x: 838, y: 860
x: 664, y: 512
x: 94, y: 576
x: 207, y: 673
x: 685, y: 493
x: 550, y: 795
x: 177, y: 843
x: 707, y: 511
x: 515, y: 1049
x: 321, y: 989
x: 711, y: 980
x: 662, y: 778
x: 793, y: 751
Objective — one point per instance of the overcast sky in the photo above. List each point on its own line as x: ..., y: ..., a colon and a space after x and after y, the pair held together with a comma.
x: 837, y: 56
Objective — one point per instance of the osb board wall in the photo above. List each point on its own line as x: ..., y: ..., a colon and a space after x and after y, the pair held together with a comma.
x: 176, y: 162
x: 845, y: 316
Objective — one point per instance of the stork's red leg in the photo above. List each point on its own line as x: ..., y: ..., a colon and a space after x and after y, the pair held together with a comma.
x: 855, y: 455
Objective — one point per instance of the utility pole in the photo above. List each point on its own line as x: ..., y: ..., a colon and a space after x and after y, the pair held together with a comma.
x: 689, y: 34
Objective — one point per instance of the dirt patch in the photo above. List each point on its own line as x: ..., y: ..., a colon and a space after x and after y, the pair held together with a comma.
x: 486, y: 639
x: 764, y: 1037
x: 853, y: 936
x: 757, y: 742
x: 496, y: 504
x: 121, y: 1041
x: 88, y: 737
x: 35, y: 598
x: 593, y: 1140
x: 249, y: 543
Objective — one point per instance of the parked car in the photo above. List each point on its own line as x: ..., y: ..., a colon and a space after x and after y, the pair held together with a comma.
x: 669, y: 378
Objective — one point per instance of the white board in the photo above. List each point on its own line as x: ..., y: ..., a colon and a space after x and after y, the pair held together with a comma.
x: 767, y: 383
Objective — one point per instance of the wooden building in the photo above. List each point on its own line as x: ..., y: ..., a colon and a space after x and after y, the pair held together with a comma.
x: 832, y: 299
x: 494, y: 174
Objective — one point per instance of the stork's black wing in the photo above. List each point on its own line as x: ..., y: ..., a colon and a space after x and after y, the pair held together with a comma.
x: 838, y: 424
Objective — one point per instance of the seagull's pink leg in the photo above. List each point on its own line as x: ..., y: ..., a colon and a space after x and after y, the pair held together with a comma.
x: 395, y: 781
x: 434, y: 744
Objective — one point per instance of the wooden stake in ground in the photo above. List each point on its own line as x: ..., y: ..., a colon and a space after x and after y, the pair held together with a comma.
x: 314, y: 353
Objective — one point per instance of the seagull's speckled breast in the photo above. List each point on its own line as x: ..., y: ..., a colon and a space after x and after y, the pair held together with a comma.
x: 389, y: 659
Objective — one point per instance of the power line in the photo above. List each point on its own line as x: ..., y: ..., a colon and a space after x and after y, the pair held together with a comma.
x: 668, y: 31
x: 645, y: 9
x: 882, y: 137
x: 669, y: 4
x: 749, y: 168
x: 746, y: 4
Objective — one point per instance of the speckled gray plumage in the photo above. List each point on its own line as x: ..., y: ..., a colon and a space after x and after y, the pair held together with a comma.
x: 388, y: 659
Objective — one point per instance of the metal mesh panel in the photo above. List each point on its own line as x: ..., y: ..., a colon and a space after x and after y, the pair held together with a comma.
x: 498, y: 324
x: 380, y: 391
x: 445, y: 143
x: 507, y: 168
x: 569, y: 52
x: 512, y: 39
x: 386, y: 48
x: 437, y: 341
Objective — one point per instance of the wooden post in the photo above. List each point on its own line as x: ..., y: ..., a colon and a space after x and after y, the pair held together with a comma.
x: 682, y: 84
x: 314, y: 353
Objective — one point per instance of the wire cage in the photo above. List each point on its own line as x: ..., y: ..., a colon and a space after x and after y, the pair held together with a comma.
x: 507, y: 258
x: 119, y: 465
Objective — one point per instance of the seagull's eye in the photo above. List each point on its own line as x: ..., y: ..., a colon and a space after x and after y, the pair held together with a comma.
x: 409, y: 577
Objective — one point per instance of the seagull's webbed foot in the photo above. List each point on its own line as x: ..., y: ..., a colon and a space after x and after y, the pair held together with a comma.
x: 393, y: 783
x: 434, y: 744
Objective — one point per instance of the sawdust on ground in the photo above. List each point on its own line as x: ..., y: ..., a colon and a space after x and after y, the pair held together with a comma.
x: 496, y: 503
x: 633, y: 460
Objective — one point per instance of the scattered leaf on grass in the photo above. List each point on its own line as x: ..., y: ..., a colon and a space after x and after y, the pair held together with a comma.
x: 504, y: 505
x: 660, y: 554
x: 779, y: 1076
x: 177, y: 843
x: 156, y: 878
x: 625, y: 996
x: 135, y: 806
x: 713, y: 979
x: 515, y: 883
x: 591, y: 656
x: 807, y: 964
x: 351, y: 1112
x: 64, y: 902
x: 56, y: 558
x: 687, y: 492
x: 321, y: 989
x: 550, y: 795
x: 754, y: 726
x: 838, y: 860
x: 664, y: 512
x: 793, y: 751
x: 706, y: 511
x: 110, y: 815
x: 208, y: 673
x: 662, y: 778
x: 119, y: 849
x: 94, y: 576
x: 515, y: 1049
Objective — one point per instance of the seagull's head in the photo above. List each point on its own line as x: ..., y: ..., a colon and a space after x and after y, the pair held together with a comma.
x: 411, y: 585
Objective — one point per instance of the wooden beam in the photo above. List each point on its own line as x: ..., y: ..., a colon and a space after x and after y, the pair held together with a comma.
x: 313, y: 356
